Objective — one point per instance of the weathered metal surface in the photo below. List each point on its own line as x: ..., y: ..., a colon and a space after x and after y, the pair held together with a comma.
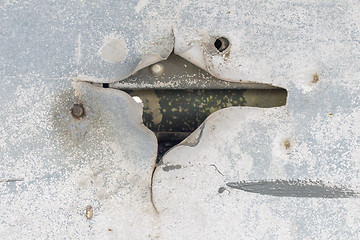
x: 74, y: 177
x: 250, y: 145
x: 54, y: 166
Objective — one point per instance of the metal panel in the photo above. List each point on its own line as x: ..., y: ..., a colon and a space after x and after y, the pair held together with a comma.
x: 246, y: 173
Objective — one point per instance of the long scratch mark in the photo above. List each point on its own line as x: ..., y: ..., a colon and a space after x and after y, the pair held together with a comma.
x: 294, y: 188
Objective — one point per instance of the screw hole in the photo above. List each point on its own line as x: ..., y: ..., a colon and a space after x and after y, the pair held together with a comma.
x: 221, y: 44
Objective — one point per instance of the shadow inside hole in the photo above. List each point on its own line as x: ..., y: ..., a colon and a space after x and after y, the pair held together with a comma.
x: 221, y: 44
x: 173, y: 114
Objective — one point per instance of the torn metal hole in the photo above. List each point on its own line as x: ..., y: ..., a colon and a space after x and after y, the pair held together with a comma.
x: 175, y: 114
x: 221, y: 44
x: 180, y: 110
x: 178, y: 96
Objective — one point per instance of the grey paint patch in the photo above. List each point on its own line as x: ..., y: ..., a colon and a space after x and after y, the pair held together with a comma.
x: 172, y: 167
x: 294, y: 188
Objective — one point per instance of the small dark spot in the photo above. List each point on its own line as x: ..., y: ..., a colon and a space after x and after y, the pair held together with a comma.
x: 330, y: 114
x: 110, y: 230
x: 221, y: 190
x: 221, y: 44
x: 229, y: 12
x: 315, y: 78
x: 105, y: 85
x: 78, y: 111
x: 287, y: 144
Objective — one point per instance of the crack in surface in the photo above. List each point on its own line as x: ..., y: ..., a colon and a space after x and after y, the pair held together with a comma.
x: 151, y: 189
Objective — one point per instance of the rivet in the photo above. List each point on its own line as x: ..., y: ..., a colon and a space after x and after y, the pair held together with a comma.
x: 77, y: 111
x: 157, y: 69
